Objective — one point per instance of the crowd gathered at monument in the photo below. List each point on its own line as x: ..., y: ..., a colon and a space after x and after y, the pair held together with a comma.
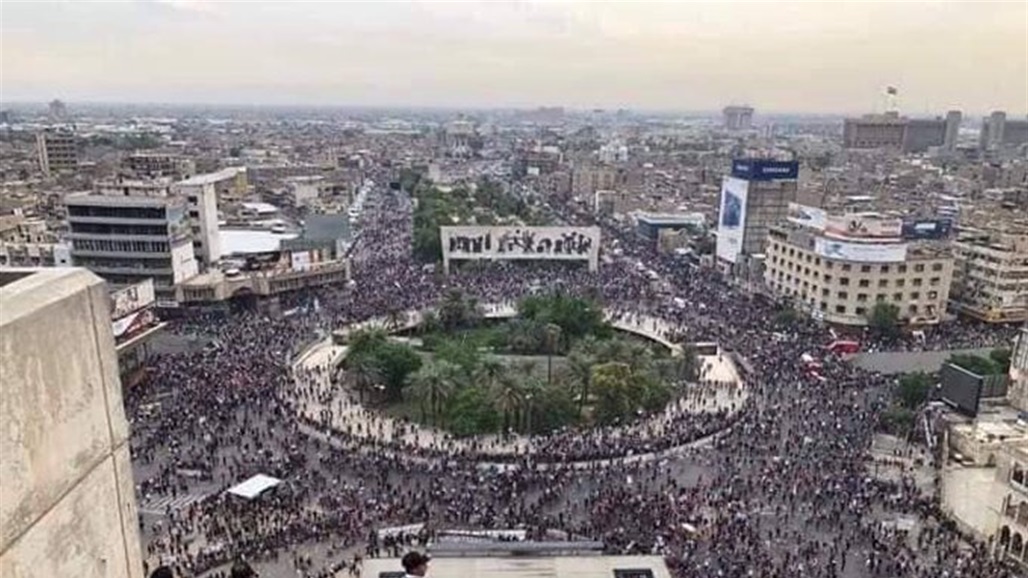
x: 765, y: 475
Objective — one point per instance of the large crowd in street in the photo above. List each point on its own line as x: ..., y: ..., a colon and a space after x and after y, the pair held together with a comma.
x: 779, y: 486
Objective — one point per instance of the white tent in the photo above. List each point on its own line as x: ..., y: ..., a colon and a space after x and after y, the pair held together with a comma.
x: 254, y: 486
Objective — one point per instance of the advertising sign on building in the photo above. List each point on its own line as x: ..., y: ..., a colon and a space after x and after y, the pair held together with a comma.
x: 927, y: 228
x: 300, y: 260
x: 731, y: 218
x: 860, y: 252
x: 132, y: 298
x: 505, y: 243
x: 869, y: 226
x: 807, y: 216
x: 765, y: 169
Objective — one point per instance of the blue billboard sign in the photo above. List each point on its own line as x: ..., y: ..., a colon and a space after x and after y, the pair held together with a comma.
x: 765, y: 170
x: 927, y: 228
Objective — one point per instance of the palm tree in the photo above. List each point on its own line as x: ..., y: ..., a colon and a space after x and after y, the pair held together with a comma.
x: 431, y: 385
x: 489, y: 370
x: 366, y: 374
x: 532, y: 395
x: 553, y: 333
x: 580, y: 364
x: 506, y: 398
x: 453, y: 311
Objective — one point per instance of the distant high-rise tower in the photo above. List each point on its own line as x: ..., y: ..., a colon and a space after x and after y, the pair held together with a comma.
x: 953, y: 119
x: 738, y: 117
x: 57, y: 111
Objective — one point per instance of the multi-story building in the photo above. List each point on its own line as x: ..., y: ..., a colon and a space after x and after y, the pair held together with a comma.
x: 754, y: 198
x: 122, y: 186
x: 841, y: 281
x: 991, y: 277
x: 1018, y: 391
x: 892, y: 131
x: 737, y: 117
x: 57, y: 151
x: 586, y: 180
x: 1000, y: 131
x: 161, y: 165
x: 201, y: 195
x: 127, y: 240
x: 68, y: 506
x: 30, y: 243
x: 1011, y: 540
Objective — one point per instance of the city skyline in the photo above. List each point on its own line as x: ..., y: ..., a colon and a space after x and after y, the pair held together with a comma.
x: 777, y: 57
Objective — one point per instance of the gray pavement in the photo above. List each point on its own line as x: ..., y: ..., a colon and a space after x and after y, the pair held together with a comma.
x: 896, y: 362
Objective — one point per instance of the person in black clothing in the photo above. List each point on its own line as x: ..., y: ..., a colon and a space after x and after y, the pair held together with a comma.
x: 242, y: 570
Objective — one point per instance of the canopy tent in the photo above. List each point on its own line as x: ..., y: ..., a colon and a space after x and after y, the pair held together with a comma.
x: 254, y: 486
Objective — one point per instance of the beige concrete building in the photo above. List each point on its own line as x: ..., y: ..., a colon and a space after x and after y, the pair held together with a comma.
x: 991, y: 277
x: 1011, y: 540
x: 841, y: 281
x: 57, y: 151
x: 68, y: 506
x: 1018, y: 392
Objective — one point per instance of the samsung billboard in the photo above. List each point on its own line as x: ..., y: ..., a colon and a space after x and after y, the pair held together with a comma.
x: 765, y: 170
x: 927, y: 228
x: 860, y: 252
x: 731, y: 219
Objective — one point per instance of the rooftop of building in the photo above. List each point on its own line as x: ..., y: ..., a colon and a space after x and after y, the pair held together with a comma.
x: 211, y: 178
x: 94, y: 200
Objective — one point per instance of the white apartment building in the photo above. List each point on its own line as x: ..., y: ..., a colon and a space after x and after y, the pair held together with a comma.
x: 841, y: 281
x: 1011, y: 540
x: 991, y: 277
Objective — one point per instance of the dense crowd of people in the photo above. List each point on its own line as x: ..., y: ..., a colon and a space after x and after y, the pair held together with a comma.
x: 776, y: 487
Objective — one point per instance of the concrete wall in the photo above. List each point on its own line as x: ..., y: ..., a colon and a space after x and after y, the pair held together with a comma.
x: 68, y: 506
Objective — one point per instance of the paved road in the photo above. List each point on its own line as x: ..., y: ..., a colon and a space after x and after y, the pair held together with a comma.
x: 894, y: 362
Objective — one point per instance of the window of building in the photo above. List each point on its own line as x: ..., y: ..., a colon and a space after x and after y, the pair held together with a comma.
x: 934, y: 281
x: 843, y: 295
x: 829, y: 265
x: 861, y: 311
x: 844, y: 281
x: 897, y: 297
x: 916, y: 281
x: 828, y: 278
x: 192, y: 199
x: 865, y: 268
x: 919, y: 268
x: 885, y: 269
x: 933, y: 295
x: 840, y: 309
x: 902, y: 268
x: 936, y: 266
x: 913, y: 309
x: 901, y: 282
x: 823, y: 306
x: 864, y: 283
x: 862, y: 297
x: 846, y: 267
x: 914, y: 295
x: 880, y: 297
x: 825, y: 292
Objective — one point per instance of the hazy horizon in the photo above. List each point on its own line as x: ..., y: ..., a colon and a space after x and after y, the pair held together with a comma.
x: 781, y: 58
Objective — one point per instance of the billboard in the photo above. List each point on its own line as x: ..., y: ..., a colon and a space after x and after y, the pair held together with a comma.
x: 860, y: 252
x: 807, y: 216
x: 300, y: 260
x: 505, y: 243
x: 960, y: 389
x: 927, y: 228
x: 731, y: 219
x: 132, y: 298
x: 858, y: 226
x: 765, y: 169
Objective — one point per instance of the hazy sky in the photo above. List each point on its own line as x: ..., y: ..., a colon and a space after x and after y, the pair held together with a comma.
x: 820, y: 57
